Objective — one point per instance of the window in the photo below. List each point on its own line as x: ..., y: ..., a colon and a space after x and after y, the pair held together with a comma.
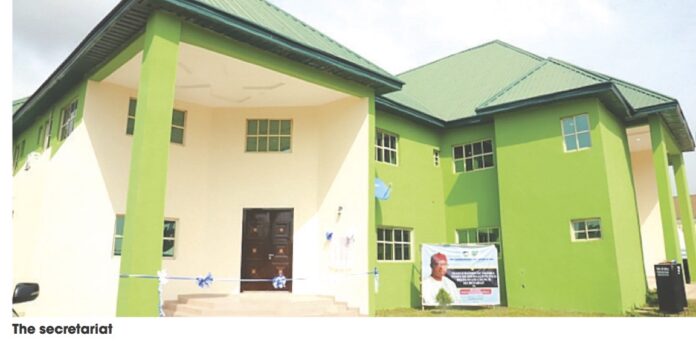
x: 480, y: 235
x: 167, y: 241
x: 586, y: 229
x: 393, y: 244
x: 18, y: 153
x: 386, y: 144
x: 264, y: 135
x: 436, y: 157
x: 576, y: 132
x: 473, y: 156
x: 40, y: 136
x: 67, y: 122
x: 49, y: 125
x: 178, y: 122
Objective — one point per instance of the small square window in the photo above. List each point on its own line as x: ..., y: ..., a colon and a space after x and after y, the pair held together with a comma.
x: 386, y: 145
x: 586, y: 229
x: 576, y: 132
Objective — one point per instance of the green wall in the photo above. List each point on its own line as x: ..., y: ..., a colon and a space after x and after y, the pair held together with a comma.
x: 624, y: 210
x: 543, y: 188
x: 471, y: 198
x: 31, y: 135
x: 416, y: 202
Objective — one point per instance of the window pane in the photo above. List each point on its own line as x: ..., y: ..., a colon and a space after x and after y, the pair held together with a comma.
x: 582, y: 123
x: 118, y: 242
x: 178, y: 118
x: 379, y: 155
x: 285, y: 127
x: 594, y: 234
x: 478, y: 162
x: 274, y: 127
x: 379, y: 139
x: 393, y: 156
x: 487, y: 146
x: 570, y: 143
x: 584, y: 140
x: 593, y: 225
x: 483, y: 236
x: 251, y: 144
x: 467, y: 150
x: 459, y: 166
x: 380, y: 235
x: 380, y: 251
x: 469, y: 164
x: 120, y: 223
x: 458, y: 152
x: 487, y: 161
x: 494, y: 235
x: 131, y: 107
x: 177, y: 135
x: 398, y: 252
x: 388, y: 235
x: 478, y: 149
x: 252, y: 127
x: 392, y: 140
x: 169, y: 228
x: 263, y: 127
x: 130, y: 126
x: 273, y: 144
x: 168, y: 248
x: 407, y: 252
x: 407, y: 236
x: 397, y: 235
x: 568, y: 126
x: 581, y: 235
x: 387, y: 156
x: 579, y: 226
x: 388, y: 251
x: 284, y: 143
x: 263, y: 144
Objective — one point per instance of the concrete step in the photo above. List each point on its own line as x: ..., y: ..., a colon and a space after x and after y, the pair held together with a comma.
x: 256, y: 304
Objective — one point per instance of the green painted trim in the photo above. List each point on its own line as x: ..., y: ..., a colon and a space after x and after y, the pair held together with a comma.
x: 664, y: 189
x: 119, y: 60
x: 212, y: 41
x: 147, y: 184
x: 384, y: 104
x: 687, y: 215
x: 384, y: 83
x: 372, y: 203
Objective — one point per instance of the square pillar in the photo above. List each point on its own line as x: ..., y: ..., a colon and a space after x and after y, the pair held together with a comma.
x: 687, y: 216
x: 142, y: 241
x: 664, y: 189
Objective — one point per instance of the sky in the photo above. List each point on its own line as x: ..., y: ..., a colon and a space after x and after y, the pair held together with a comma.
x: 649, y: 43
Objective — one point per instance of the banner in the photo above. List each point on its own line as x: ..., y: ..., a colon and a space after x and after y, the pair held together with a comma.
x: 468, y: 273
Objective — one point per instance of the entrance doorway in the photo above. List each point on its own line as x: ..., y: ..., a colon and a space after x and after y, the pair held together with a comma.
x: 266, y: 247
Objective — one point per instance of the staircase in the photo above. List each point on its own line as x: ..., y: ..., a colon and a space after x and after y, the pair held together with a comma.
x: 257, y: 304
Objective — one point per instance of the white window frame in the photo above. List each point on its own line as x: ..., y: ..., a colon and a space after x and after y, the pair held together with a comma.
x: 586, y: 230
x: 268, y: 135
x: 393, y: 243
x: 473, y: 156
x: 576, y: 132
x: 166, y: 219
x: 68, y: 115
x: 384, y: 148
x: 498, y: 243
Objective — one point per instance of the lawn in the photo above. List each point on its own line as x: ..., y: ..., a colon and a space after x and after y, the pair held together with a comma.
x: 649, y: 311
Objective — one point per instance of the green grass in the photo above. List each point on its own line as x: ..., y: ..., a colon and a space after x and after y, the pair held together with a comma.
x: 650, y: 311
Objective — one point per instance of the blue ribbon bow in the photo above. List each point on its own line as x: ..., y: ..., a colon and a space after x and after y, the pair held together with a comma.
x: 279, y: 281
x: 204, y: 282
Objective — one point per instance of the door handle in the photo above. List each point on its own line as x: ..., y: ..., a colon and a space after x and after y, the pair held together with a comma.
x: 270, y: 256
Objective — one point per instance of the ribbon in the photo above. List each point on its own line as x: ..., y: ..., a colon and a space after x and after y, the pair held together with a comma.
x: 279, y: 281
x: 204, y: 282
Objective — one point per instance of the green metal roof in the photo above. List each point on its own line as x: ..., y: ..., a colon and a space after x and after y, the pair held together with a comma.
x: 270, y: 17
x: 452, y: 87
x: 16, y: 104
x: 496, y: 77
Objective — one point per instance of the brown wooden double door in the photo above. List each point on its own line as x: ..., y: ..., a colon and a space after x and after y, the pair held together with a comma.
x: 266, y: 247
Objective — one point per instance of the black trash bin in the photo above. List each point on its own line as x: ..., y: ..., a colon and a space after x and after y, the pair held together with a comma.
x: 687, y: 275
x: 671, y: 293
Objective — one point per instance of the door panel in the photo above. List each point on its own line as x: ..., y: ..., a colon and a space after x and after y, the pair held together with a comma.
x: 266, y: 247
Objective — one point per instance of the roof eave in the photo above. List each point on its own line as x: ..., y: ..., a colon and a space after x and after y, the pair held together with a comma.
x: 403, y: 110
x: 673, y: 115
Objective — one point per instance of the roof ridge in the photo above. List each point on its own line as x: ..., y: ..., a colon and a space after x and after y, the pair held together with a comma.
x: 512, y: 84
x: 495, y: 41
x: 579, y: 70
x: 16, y: 101
x: 635, y: 87
x: 278, y: 9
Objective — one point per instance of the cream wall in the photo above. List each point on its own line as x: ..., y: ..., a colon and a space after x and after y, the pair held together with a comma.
x: 210, y: 181
x: 648, y: 209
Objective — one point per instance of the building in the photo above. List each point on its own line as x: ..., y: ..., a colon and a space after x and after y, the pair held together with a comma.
x: 254, y: 138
